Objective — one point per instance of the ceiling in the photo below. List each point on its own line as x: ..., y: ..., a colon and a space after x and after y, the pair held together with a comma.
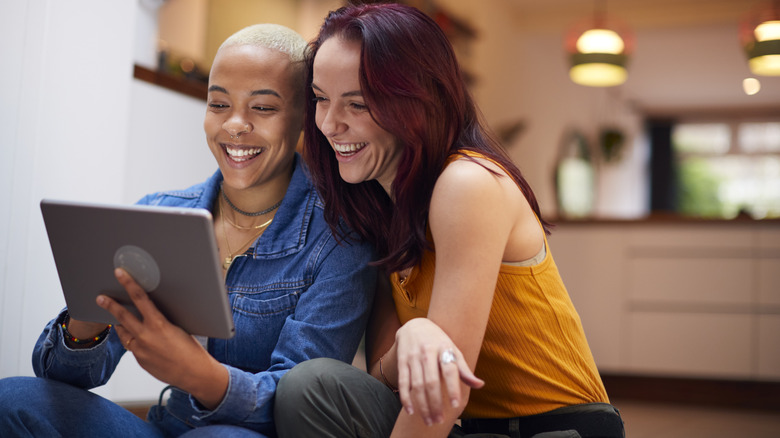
x: 556, y: 15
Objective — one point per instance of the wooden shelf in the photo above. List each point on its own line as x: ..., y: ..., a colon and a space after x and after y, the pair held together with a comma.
x: 192, y: 88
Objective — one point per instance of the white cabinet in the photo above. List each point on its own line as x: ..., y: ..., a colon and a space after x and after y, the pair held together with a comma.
x: 768, y: 346
x: 688, y: 299
x: 688, y: 344
x: 589, y: 260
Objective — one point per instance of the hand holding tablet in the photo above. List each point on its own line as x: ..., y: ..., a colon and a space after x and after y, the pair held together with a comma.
x: 170, y: 252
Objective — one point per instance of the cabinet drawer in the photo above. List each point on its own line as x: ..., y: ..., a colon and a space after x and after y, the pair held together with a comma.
x: 719, y: 280
x: 769, y: 281
x: 701, y: 235
x: 690, y: 344
x: 769, y: 347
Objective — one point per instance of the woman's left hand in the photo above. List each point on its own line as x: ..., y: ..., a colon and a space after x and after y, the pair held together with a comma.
x: 164, y: 350
x: 426, y: 356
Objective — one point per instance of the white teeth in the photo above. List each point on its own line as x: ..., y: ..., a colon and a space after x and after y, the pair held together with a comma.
x: 242, y: 154
x: 348, y: 148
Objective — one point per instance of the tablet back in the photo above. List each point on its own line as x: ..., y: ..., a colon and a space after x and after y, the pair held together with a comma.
x: 171, y: 252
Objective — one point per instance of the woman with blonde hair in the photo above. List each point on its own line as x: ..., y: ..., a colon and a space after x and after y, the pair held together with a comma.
x: 295, y: 290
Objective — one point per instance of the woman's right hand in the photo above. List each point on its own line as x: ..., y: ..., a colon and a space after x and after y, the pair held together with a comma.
x: 163, y: 349
x: 420, y: 344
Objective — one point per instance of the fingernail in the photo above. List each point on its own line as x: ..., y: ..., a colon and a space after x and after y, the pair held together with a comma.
x: 118, y: 272
x: 100, y: 300
x: 410, y: 410
x: 455, y: 403
x: 428, y: 422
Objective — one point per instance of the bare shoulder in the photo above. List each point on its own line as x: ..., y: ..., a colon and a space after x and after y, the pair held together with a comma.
x: 474, y: 166
x: 471, y: 180
x: 472, y: 194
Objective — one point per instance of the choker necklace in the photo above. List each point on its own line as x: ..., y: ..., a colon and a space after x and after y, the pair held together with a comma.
x: 246, y: 213
x: 239, y: 227
x: 231, y: 256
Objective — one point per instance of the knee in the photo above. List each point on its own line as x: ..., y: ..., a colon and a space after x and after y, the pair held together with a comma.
x: 15, y: 392
x: 313, y: 397
x: 306, y: 377
x: 314, y: 382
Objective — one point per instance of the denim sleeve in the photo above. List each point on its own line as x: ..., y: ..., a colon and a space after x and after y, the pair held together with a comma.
x: 85, y: 368
x: 329, y: 321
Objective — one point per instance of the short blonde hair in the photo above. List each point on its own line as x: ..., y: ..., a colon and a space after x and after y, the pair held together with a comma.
x: 270, y: 36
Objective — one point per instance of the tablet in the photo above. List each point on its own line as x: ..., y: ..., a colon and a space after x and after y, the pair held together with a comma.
x: 170, y: 251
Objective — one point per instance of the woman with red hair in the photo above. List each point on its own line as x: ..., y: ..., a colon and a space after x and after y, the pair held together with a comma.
x: 396, y: 147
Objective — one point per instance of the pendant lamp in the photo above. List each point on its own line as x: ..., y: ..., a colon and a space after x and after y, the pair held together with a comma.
x: 760, y: 36
x: 598, y: 50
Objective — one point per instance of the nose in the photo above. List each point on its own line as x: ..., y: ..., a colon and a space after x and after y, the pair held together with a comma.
x: 237, y: 124
x: 331, y: 121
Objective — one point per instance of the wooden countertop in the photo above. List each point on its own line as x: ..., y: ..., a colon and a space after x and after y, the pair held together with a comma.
x: 662, y: 218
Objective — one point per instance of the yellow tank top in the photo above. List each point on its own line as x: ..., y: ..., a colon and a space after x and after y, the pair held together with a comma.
x: 534, y: 356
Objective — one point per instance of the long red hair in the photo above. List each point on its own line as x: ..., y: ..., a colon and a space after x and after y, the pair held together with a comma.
x: 413, y: 86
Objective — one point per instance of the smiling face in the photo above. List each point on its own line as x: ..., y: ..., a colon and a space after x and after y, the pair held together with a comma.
x: 363, y: 149
x: 254, y: 95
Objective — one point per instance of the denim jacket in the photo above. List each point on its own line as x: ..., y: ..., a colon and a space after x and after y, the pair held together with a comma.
x: 296, y: 294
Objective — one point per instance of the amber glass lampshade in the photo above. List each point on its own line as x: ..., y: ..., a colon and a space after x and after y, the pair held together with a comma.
x: 760, y: 36
x: 598, y: 53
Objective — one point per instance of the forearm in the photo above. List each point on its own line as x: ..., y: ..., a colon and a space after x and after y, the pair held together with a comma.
x: 385, y: 369
x: 413, y: 425
x: 380, y: 335
x: 208, y: 383
x: 247, y: 402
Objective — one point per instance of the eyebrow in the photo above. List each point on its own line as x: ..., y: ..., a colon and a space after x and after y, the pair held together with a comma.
x: 263, y: 92
x: 356, y: 93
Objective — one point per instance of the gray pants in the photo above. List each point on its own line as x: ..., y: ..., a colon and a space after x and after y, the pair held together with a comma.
x: 327, y: 398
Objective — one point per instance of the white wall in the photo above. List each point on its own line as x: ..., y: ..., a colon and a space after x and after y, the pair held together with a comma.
x: 167, y: 145
x: 77, y: 126
x: 66, y: 99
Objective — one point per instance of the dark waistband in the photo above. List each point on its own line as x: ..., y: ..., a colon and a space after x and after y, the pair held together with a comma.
x: 589, y: 420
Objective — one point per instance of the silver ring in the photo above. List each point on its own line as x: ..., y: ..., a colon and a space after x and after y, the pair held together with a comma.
x: 447, y: 356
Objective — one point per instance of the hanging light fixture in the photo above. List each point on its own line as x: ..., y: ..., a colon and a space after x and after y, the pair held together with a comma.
x: 760, y: 36
x: 598, y: 51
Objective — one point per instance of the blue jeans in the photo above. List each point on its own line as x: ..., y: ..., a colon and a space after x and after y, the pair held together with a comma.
x: 37, y: 407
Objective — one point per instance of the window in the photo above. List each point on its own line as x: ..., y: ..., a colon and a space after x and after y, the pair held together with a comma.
x: 727, y: 168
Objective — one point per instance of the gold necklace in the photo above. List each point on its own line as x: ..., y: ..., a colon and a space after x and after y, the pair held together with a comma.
x: 239, y: 227
x: 231, y: 256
